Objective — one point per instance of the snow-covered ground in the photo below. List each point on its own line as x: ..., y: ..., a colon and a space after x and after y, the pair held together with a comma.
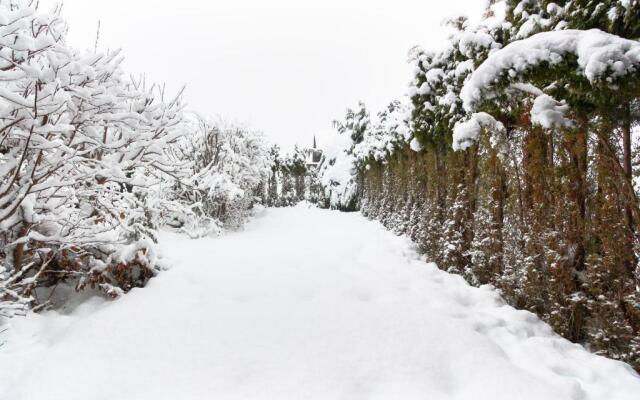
x: 303, y: 304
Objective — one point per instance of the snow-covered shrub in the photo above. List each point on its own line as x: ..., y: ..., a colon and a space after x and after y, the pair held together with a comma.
x: 93, y: 162
x: 81, y: 146
x: 228, y: 168
x: 438, y: 77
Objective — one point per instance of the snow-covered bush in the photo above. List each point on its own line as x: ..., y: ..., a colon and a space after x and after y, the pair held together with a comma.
x: 600, y: 58
x: 92, y: 162
x: 438, y: 76
x: 228, y: 168
x: 80, y: 146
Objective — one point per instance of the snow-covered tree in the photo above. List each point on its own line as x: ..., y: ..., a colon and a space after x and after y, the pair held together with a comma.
x: 337, y: 170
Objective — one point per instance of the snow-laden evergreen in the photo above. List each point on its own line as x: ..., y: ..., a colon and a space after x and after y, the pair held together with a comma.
x: 601, y: 58
x: 515, y: 165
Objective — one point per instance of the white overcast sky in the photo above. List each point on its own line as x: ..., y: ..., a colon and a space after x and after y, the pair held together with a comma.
x: 286, y: 67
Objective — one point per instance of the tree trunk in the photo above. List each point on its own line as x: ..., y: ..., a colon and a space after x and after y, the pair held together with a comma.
x: 628, y: 172
x: 626, y: 155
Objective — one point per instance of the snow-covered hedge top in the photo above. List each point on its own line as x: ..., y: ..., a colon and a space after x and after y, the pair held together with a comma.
x: 531, y: 17
x: 601, y: 56
x: 438, y: 77
x: 435, y: 72
x: 389, y: 133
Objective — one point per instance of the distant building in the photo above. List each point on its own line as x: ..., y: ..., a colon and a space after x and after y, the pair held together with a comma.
x: 314, y: 155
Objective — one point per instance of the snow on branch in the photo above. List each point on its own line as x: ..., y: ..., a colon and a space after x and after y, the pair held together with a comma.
x: 600, y: 57
x: 466, y: 133
x: 549, y: 112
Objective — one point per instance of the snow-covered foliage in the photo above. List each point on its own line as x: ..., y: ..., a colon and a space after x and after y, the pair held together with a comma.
x: 228, y: 166
x: 294, y: 177
x: 466, y: 133
x: 388, y: 133
x: 359, y: 141
x: 85, y: 155
x: 549, y: 113
x: 435, y: 87
x: 337, y: 172
x: 601, y: 57
x: 81, y: 145
x: 532, y: 16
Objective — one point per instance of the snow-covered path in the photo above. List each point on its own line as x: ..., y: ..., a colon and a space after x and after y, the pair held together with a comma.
x: 303, y: 304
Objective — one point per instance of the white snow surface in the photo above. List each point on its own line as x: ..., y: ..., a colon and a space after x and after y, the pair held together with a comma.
x: 303, y: 304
